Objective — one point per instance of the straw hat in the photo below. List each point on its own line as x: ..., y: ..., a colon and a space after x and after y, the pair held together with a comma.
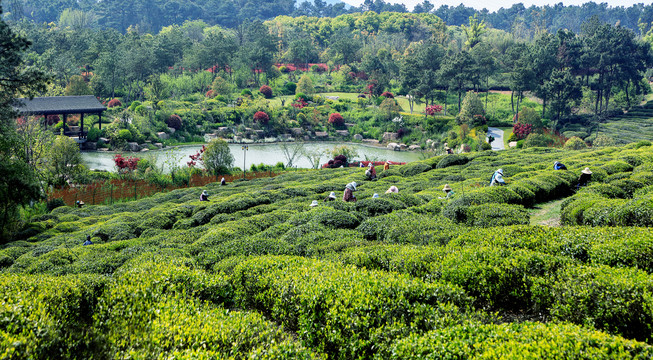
x: 375, y: 196
x: 314, y: 203
x: 392, y: 189
x: 587, y: 171
x: 332, y: 195
x: 205, y: 193
x: 446, y: 187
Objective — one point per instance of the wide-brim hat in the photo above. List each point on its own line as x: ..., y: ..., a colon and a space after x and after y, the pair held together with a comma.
x: 447, y: 148
x: 314, y: 203
x: 205, y: 192
x: 375, y: 195
x: 500, y: 171
x: 371, y: 165
x: 446, y: 187
x: 81, y: 202
x: 332, y: 195
x: 587, y: 171
x: 353, y: 184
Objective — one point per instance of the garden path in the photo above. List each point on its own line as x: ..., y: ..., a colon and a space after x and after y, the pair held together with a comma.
x: 497, y: 133
x: 547, y: 214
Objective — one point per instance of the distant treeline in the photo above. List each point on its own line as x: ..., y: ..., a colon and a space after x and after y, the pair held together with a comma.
x: 152, y: 15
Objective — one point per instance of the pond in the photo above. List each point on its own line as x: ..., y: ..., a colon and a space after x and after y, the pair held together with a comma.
x: 268, y: 154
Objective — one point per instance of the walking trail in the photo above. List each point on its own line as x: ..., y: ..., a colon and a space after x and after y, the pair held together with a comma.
x: 497, y: 133
x: 547, y: 214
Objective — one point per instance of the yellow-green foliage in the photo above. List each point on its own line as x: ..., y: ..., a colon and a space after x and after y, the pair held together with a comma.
x: 258, y: 273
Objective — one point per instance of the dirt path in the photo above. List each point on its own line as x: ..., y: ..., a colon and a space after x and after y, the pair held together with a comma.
x: 497, y: 133
x: 547, y: 214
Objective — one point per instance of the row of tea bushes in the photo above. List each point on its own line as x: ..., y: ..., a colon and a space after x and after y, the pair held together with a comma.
x: 523, y: 340
x: 342, y: 311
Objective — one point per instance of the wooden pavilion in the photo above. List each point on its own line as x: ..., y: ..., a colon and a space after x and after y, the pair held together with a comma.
x: 64, y: 106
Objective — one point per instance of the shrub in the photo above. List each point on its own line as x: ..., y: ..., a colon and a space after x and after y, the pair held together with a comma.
x: 114, y: 103
x: 266, y: 91
x: 261, y: 117
x: 491, y: 214
x: 575, y: 143
x: 246, y: 92
x: 533, y: 140
x: 529, y: 116
x: 210, y: 94
x: 521, y: 131
x: 452, y: 160
x: 336, y: 119
x: 290, y: 88
x: 470, y: 110
x: 54, y: 203
x: 388, y: 95
x: 174, y: 121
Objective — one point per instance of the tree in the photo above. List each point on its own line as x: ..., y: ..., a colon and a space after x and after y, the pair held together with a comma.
x: 389, y: 109
x: 18, y: 183
x: 64, y: 160
x: 313, y: 156
x: 456, y: 71
x: 471, y: 111
x: 77, y: 86
x: 217, y: 158
x: 474, y: 31
x: 305, y: 85
x: 291, y: 151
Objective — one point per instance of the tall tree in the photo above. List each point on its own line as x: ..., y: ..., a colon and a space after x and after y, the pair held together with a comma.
x: 18, y: 183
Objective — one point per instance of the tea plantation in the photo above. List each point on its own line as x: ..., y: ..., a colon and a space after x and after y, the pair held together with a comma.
x: 258, y: 273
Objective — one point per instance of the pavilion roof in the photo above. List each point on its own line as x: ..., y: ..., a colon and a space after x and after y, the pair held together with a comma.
x: 87, y: 104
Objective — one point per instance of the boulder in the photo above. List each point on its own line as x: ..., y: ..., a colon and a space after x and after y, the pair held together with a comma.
x: 158, y: 145
x: 163, y: 136
x: 145, y: 149
x: 414, y: 147
x: 387, y: 136
x: 133, y: 147
x: 403, y: 146
x: 307, y: 138
x: 512, y: 144
x: 209, y: 137
x: 104, y: 140
x: 371, y: 141
x: 297, y: 131
x: 171, y: 130
x: 349, y: 125
x: 321, y: 134
x: 358, y: 137
x: 342, y: 132
x: 394, y: 146
x: 89, y: 145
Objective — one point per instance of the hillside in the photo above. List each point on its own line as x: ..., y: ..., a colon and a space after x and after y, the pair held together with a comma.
x: 258, y: 273
x: 635, y: 125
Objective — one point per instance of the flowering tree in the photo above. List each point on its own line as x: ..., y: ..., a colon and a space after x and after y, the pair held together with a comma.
x: 125, y: 164
x: 299, y: 103
x: 336, y: 119
x: 196, y: 157
x: 261, y: 117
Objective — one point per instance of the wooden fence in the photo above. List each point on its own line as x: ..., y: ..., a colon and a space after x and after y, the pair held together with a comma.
x: 108, y: 192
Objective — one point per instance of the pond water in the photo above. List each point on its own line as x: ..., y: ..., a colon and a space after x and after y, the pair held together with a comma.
x: 268, y: 154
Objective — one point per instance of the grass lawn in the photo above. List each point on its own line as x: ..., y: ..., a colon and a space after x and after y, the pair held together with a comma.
x: 507, y: 131
x: 547, y: 214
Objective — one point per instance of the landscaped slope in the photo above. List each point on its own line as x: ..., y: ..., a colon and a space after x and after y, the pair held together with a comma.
x: 258, y: 273
x: 635, y: 125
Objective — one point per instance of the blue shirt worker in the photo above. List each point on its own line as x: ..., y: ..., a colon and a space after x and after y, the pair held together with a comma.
x: 204, y: 196
x: 88, y: 240
x: 497, y: 178
x: 559, y: 166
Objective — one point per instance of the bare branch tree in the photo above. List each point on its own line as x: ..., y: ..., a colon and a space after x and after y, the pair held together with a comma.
x: 291, y: 151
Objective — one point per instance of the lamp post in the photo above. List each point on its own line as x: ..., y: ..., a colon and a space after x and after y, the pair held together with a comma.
x: 245, y: 148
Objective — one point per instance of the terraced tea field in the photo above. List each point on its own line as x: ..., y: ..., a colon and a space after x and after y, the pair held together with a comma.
x: 635, y: 125
x: 258, y: 273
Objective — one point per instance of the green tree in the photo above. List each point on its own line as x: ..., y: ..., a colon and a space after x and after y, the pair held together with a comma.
x: 77, y: 86
x: 305, y: 85
x: 471, y: 111
x: 474, y: 31
x: 389, y: 109
x: 63, y: 160
x: 217, y: 158
x: 18, y: 183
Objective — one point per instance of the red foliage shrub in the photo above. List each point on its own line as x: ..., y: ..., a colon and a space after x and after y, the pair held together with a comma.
x: 125, y: 164
x: 210, y: 94
x: 52, y: 119
x: 521, y: 131
x: 266, y: 91
x: 388, y: 95
x: 336, y: 119
x: 299, y: 103
x: 433, y: 109
x: 174, y: 121
x: 261, y: 117
x: 402, y: 132
x: 114, y: 103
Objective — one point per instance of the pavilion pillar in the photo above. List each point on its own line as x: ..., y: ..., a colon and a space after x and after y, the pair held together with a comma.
x: 100, y: 120
x: 64, y: 123
x: 81, y: 130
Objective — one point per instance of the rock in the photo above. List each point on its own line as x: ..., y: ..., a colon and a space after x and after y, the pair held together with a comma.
x: 171, y: 130
x: 297, y: 131
x: 260, y: 133
x: 358, y: 137
x: 512, y: 144
x: 158, y: 145
x: 321, y: 134
x: 90, y: 145
x: 105, y: 140
x: 335, y: 98
x: 163, y: 136
x: 73, y: 129
x: 371, y: 141
x: 133, y: 147
x: 393, y: 146
x: 349, y: 125
x: 403, y: 146
x: 209, y: 137
x: 390, y: 136
x: 145, y: 149
x: 307, y: 138
x: 414, y: 147
x: 342, y: 132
